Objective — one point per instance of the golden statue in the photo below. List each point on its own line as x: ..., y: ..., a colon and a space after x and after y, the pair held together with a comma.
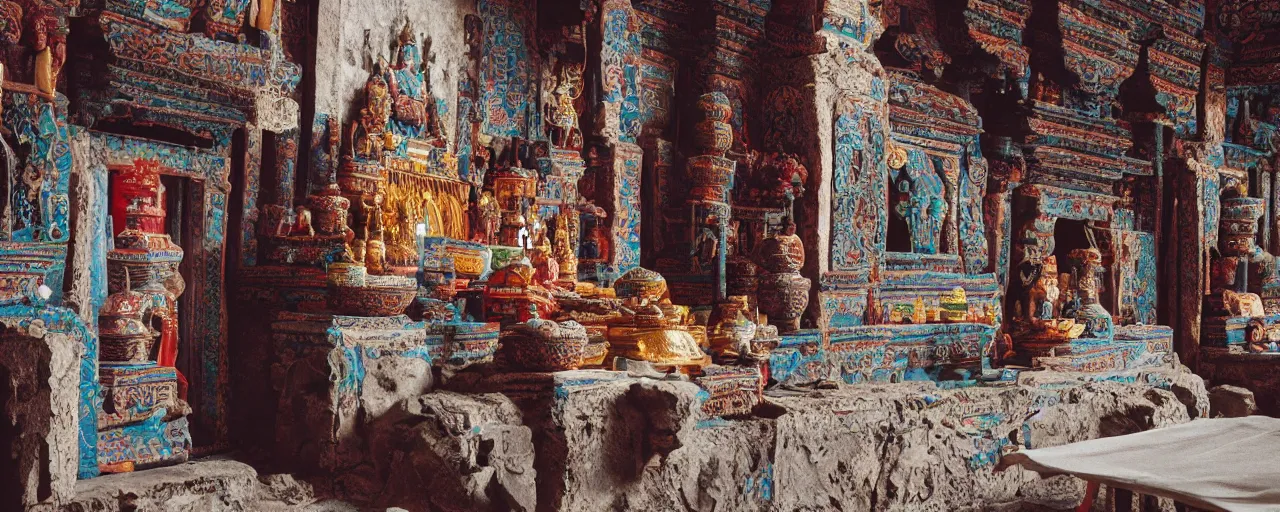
x: 398, y: 218
x: 955, y: 306
x: 651, y: 328
x: 731, y: 332
x: 375, y: 245
x: 488, y: 217
x: 566, y: 241
x: 368, y: 133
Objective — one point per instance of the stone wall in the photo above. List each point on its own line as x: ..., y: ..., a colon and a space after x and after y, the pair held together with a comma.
x: 354, y: 35
x: 591, y: 440
x: 607, y: 442
x: 41, y: 372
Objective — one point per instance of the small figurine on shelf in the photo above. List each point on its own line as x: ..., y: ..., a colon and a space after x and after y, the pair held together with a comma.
x: 954, y: 306
x: 368, y: 134
x: 302, y: 222
x: 1098, y: 322
x: 546, y: 269
x: 489, y: 217
x: 595, y: 242
x: 374, y: 246
x: 562, y: 114
x: 285, y: 226
x: 705, y: 248
x: 1045, y: 292
x: 565, y: 239
x: 357, y: 246
x: 784, y: 293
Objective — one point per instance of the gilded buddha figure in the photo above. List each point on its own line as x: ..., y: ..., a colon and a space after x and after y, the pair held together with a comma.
x: 651, y: 327
x: 368, y: 133
x: 565, y: 240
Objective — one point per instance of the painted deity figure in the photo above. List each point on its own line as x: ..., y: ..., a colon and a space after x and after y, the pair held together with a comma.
x: 412, y: 116
x: 375, y: 246
x: 924, y: 215
x: 565, y: 240
x: 546, y: 269
x: 368, y: 132
x: 563, y: 115
x: 706, y: 246
x: 1088, y: 286
x: 490, y: 218
x: 1050, y: 299
x: 1045, y: 292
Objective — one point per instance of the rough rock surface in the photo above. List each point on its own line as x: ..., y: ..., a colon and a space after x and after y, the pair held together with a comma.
x: 1259, y: 373
x: 591, y: 440
x: 333, y: 384
x: 453, y: 452
x: 1227, y: 401
x: 86, y: 194
x: 209, y: 485
x: 905, y: 446
x: 39, y: 376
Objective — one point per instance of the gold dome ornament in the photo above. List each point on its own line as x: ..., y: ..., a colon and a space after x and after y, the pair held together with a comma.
x: 641, y: 283
x: 897, y: 157
x: 652, y: 330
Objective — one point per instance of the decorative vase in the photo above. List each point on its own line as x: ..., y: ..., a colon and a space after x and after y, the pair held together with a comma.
x: 784, y: 293
x: 125, y: 340
x: 711, y: 177
x: 381, y: 296
x: 784, y: 297
x: 1239, y: 224
x: 641, y: 283
x: 714, y: 134
x: 329, y: 214
x: 743, y: 276
x: 546, y: 346
x: 123, y: 327
x: 782, y: 253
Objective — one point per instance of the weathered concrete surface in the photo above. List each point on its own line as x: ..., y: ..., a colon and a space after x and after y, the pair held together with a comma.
x: 594, y: 440
x: 1227, y: 401
x: 39, y: 380
x: 334, y: 383
x: 608, y: 443
x: 452, y: 452
x: 86, y: 228
x: 213, y: 485
x: 209, y: 485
